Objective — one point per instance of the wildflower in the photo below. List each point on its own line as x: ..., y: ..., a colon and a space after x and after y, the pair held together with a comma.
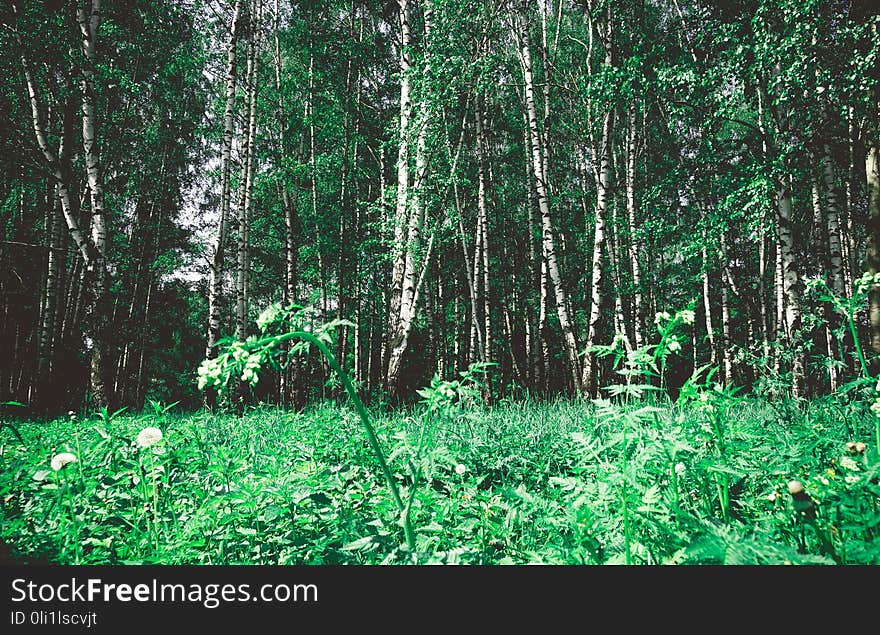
x: 687, y: 316
x: 849, y: 464
x: 62, y: 459
x: 856, y: 447
x: 852, y: 478
x: 269, y: 315
x: 679, y: 468
x: 772, y: 497
x: 795, y: 488
x: 460, y: 469
x: 149, y: 436
x: 663, y: 315
x: 251, y: 370
x: 674, y: 345
x: 209, y: 373
x: 239, y: 352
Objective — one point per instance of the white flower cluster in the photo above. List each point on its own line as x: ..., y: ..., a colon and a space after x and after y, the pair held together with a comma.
x: 269, y: 315
x: 868, y: 280
x: 660, y: 317
x: 251, y: 372
x: 687, y: 316
x: 210, y: 371
x: 849, y: 464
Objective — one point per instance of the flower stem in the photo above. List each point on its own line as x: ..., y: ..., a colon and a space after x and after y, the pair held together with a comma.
x: 76, y: 545
x: 402, y: 507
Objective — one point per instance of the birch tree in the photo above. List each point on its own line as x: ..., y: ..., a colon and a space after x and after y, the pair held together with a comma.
x: 215, y: 280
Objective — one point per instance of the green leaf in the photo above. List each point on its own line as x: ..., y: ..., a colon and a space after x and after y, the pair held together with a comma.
x: 361, y: 544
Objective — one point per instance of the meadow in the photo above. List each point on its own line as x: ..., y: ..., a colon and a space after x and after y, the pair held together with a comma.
x: 712, y: 478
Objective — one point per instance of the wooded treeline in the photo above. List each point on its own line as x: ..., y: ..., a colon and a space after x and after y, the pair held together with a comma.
x: 509, y: 182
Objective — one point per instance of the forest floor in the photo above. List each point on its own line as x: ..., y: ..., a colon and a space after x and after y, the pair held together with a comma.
x: 711, y: 479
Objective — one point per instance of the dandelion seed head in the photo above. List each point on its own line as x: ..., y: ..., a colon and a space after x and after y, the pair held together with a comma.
x: 460, y: 469
x: 148, y: 437
x: 61, y: 459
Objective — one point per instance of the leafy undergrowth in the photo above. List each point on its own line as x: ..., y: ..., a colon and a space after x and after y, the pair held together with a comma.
x: 742, y: 481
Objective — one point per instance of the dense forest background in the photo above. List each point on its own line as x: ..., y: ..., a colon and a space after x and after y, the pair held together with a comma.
x: 513, y: 182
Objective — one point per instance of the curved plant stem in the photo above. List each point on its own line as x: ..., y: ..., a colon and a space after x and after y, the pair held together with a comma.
x: 859, y: 352
x: 403, y: 508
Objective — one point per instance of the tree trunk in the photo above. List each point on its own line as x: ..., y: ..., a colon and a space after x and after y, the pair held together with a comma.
x: 99, y: 309
x: 707, y: 308
x: 401, y: 213
x: 535, y: 325
x: 548, y: 240
x: 602, y: 191
x: 242, y: 293
x: 215, y: 280
x: 92, y: 247
x: 415, y: 264
x: 483, y: 224
x: 631, y: 152
x: 789, y: 275
x: 821, y: 241
x: 49, y: 310
x: 872, y: 176
x: 726, y: 335
x: 832, y: 216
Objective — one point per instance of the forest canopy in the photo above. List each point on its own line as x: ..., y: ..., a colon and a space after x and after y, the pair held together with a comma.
x: 527, y: 185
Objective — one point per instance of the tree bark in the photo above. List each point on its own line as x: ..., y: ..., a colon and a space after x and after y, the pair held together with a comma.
x: 483, y: 232
x: 548, y: 233
x: 242, y: 295
x: 832, y: 216
x: 215, y: 280
x: 872, y: 177
x: 631, y: 152
x: 726, y: 335
x: 603, y: 181
x: 99, y: 307
x: 415, y: 264
x: 790, y: 281
x: 707, y: 308
x: 401, y: 212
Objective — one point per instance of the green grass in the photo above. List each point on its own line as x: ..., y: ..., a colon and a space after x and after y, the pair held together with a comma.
x: 565, y: 482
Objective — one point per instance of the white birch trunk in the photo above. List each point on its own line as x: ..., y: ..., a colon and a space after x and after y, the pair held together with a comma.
x: 548, y: 240
x: 215, y: 280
